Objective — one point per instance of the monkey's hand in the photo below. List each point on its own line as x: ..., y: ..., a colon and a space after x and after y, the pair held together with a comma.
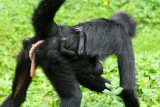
x: 64, y: 50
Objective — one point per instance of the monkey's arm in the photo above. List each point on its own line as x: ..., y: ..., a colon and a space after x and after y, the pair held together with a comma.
x: 80, y: 50
x: 64, y: 50
x: 81, y: 40
x: 81, y: 44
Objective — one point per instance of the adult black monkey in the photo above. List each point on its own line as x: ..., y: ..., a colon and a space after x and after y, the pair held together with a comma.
x: 103, y: 37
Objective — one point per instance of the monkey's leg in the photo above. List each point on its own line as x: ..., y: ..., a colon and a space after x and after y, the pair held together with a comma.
x: 127, y: 79
x: 126, y: 67
x: 64, y: 50
x: 95, y: 83
x: 65, y: 83
x: 20, y: 84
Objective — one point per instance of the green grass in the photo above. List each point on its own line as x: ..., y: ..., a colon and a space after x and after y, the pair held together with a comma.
x: 15, y: 25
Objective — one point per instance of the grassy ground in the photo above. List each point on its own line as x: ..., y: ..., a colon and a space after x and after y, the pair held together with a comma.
x: 15, y: 25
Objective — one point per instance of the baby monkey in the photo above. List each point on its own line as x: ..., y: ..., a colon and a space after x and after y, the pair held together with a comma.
x: 95, y: 69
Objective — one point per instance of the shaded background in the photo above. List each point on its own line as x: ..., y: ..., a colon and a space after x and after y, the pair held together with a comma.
x: 15, y: 25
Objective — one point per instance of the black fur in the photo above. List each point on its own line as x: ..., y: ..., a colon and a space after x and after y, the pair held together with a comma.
x: 102, y: 38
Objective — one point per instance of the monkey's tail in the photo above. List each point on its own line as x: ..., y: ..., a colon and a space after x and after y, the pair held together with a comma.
x: 43, y: 18
x: 126, y: 20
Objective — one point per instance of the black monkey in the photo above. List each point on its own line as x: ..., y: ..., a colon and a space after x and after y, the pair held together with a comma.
x: 81, y: 47
x: 102, y: 38
x: 97, y: 68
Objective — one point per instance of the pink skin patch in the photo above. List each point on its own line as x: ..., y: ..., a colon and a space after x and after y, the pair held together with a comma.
x: 32, y: 57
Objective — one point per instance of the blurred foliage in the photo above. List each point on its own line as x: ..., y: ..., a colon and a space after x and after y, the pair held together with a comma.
x: 15, y: 25
x: 112, y: 95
